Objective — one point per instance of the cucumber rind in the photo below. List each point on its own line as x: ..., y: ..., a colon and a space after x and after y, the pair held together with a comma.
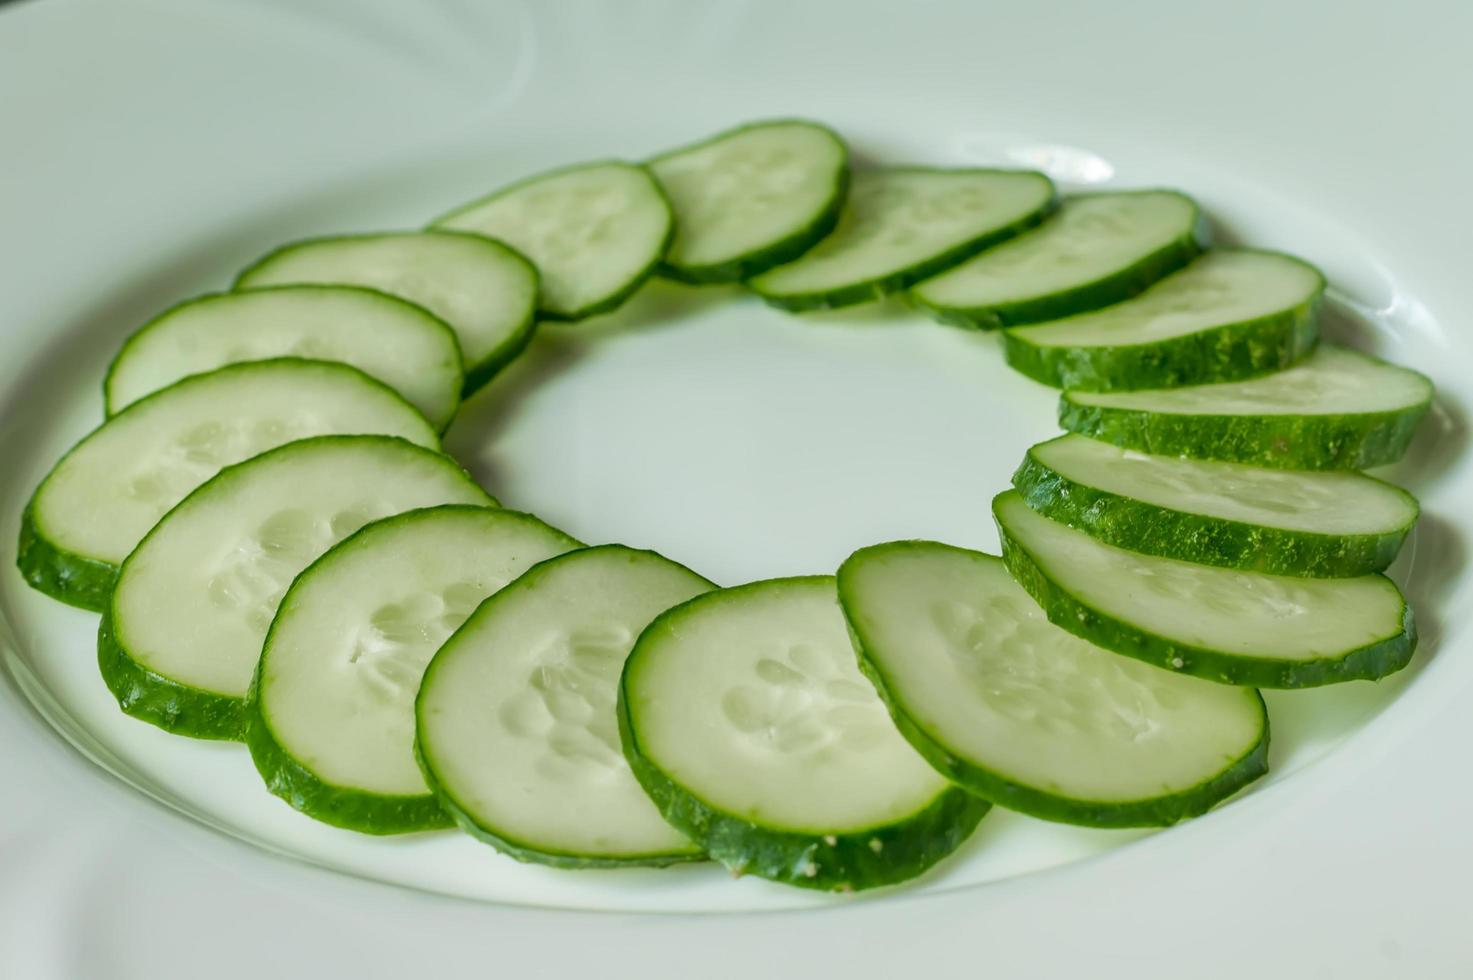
x: 74, y: 579
x: 476, y: 374
x: 1227, y: 352
x: 1112, y: 287
x: 851, y: 861
x: 1369, y: 662
x: 783, y: 250
x: 1010, y: 794
x: 179, y: 709
x: 1308, y: 442
x: 612, y: 300
x: 878, y: 287
x: 1137, y: 525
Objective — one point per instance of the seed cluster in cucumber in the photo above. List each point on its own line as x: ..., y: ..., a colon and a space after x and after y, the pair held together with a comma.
x: 283, y: 555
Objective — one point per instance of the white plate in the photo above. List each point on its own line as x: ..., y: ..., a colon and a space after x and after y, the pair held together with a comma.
x: 152, y: 148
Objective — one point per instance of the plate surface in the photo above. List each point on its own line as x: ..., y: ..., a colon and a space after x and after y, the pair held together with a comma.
x: 736, y: 439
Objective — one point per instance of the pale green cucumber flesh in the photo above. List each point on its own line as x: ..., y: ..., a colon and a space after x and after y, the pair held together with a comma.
x: 485, y: 290
x: 1235, y: 627
x: 1096, y: 249
x: 517, y: 731
x: 105, y: 494
x: 744, y: 716
x: 330, y: 713
x: 1328, y: 524
x: 194, y: 600
x: 1029, y: 716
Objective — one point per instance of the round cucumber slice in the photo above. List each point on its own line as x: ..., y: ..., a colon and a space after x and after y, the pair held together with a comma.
x: 595, y: 232
x: 517, y: 729
x: 1337, y: 409
x: 181, y: 635
x: 1229, y: 626
x: 751, y: 198
x: 1018, y: 711
x: 1324, y: 524
x: 403, y: 345
x: 110, y: 488
x: 744, y: 716
x: 901, y: 225
x: 330, y: 716
x: 485, y: 290
x: 1231, y: 314
x: 1096, y: 249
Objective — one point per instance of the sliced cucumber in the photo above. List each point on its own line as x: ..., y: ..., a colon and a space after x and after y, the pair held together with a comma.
x: 485, y: 291
x: 182, y: 632
x: 745, y: 718
x: 1338, y: 409
x: 1285, y: 522
x: 1022, y: 713
x: 902, y: 225
x: 1231, y: 314
x: 330, y: 717
x: 1224, y: 625
x: 751, y: 198
x: 1097, y: 249
x: 595, y: 232
x: 403, y: 345
x: 110, y: 488
x: 516, y: 721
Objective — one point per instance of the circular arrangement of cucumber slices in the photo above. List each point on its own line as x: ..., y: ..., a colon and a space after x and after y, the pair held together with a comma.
x: 282, y: 555
x: 183, y: 630
x: 485, y: 291
x: 1017, y: 710
x: 517, y: 731
x: 330, y: 718
x: 745, y: 718
x: 403, y: 345
x: 595, y: 232
x: 1097, y: 249
x: 112, y: 487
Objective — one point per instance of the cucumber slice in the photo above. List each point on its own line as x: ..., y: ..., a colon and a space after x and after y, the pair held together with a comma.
x: 1285, y: 522
x: 1338, y: 409
x: 751, y: 198
x: 744, y: 716
x: 1231, y: 314
x: 517, y: 729
x: 1097, y: 249
x: 101, y: 499
x: 1229, y: 626
x: 403, y: 345
x: 1030, y: 717
x: 595, y: 231
x: 330, y: 716
x: 181, y: 635
x: 485, y: 291
x: 904, y: 224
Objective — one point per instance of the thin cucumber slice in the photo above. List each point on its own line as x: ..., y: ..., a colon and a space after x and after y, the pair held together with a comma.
x: 1325, y: 524
x: 751, y: 198
x: 904, y: 224
x: 1338, y: 409
x: 517, y: 729
x: 1097, y: 249
x: 181, y: 635
x: 1034, y: 719
x: 595, y: 232
x: 112, y: 487
x: 1231, y: 314
x: 1229, y: 626
x: 746, y: 719
x: 403, y: 345
x: 485, y: 290
x: 330, y: 716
